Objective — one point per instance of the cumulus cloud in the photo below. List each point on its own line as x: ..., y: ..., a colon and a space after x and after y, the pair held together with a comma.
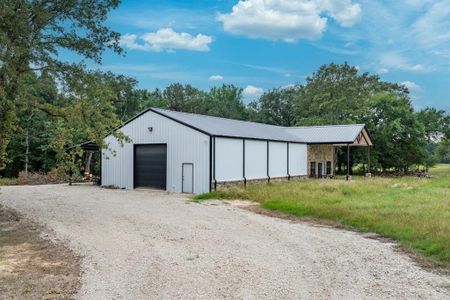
x: 216, y: 78
x: 288, y: 20
x: 412, y: 86
x: 251, y: 90
x: 166, y: 39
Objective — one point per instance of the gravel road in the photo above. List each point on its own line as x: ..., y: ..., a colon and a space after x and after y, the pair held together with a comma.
x: 145, y: 244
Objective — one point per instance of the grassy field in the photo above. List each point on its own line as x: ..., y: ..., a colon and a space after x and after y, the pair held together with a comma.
x: 415, y: 212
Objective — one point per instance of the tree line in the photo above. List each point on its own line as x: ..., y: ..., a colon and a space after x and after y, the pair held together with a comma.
x: 49, y: 106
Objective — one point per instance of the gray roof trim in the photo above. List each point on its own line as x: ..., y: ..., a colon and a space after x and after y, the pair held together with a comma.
x: 176, y: 120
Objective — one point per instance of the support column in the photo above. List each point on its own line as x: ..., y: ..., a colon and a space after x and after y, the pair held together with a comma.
x: 268, y: 176
x: 214, y: 163
x: 243, y: 162
x: 348, y: 162
x: 369, y: 173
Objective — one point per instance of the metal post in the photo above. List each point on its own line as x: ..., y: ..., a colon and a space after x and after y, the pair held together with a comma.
x: 267, y: 152
x: 214, y: 163
x: 348, y: 162
x: 287, y: 167
x: 243, y: 162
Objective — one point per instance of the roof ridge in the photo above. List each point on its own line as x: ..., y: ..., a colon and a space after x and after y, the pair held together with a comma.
x: 214, y: 117
x: 321, y: 126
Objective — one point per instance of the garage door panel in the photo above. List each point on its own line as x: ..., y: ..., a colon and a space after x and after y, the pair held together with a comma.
x: 150, y: 165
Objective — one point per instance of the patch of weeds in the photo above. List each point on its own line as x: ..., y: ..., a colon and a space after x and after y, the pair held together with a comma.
x: 28, y: 288
x: 8, y: 181
x: 210, y: 196
x: 111, y: 187
x: 193, y: 257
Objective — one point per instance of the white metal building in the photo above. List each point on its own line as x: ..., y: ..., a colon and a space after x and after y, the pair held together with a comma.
x: 184, y: 152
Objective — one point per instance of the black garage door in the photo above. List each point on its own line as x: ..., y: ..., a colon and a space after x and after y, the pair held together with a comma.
x: 150, y: 166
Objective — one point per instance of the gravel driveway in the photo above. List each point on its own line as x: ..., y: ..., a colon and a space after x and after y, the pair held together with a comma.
x: 147, y: 244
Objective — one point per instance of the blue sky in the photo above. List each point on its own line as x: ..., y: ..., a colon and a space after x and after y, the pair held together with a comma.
x: 263, y: 44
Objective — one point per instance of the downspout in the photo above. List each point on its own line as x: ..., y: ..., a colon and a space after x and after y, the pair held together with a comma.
x: 210, y: 163
x: 214, y: 163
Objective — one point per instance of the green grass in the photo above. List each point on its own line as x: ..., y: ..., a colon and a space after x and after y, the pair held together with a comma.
x: 210, y: 196
x: 8, y: 181
x: 414, y: 211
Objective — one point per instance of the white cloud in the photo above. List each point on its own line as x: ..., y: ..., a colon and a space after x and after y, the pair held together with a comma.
x: 288, y: 20
x: 398, y: 61
x: 288, y: 86
x: 406, y: 35
x: 251, y: 90
x: 382, y: 71
x: 412, y: 86
x: 166, y: 39
x: 216, y: 78
x: 432, y: 28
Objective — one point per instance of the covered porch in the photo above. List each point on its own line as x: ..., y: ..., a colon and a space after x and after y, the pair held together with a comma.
x: 324, y: 143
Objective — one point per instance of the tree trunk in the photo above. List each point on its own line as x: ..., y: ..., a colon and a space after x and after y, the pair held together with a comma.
x: 2, y: 136
x: 27, y: 150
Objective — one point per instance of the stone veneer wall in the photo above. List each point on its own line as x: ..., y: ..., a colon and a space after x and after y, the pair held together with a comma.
x: 321, y: 153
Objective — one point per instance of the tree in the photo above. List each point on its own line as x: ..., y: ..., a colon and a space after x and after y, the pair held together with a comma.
x: 33, y: 32
x: 276, y: 106
x: 88, y: 113
x: 338, y: 94
x: 35, y: 91
x: 443, y: 151
x: 226, y: 102
x: 435, y: 122
x: 396, y: 132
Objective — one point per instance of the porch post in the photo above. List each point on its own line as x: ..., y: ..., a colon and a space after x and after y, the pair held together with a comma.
x: 368, y: 159
x: 348, y: 162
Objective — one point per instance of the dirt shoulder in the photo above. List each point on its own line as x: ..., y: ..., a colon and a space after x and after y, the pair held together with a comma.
x: 32, y: 267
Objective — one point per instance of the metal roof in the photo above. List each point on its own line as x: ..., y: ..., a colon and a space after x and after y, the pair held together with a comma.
x: 231, y: 128
x: 331, y: 134
x: 222, y: 127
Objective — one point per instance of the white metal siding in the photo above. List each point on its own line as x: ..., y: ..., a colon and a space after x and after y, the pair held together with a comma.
x: 229, y: 159
x: 184, y: 145
x: 297, y: 159
x: 255, y: 159
x: 277, y: 159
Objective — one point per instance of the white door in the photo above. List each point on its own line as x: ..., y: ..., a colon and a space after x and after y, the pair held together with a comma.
x: 188, y: 178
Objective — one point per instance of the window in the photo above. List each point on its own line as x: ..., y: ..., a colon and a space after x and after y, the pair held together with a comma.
x: 328, y: 168
x: 312, y: 170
